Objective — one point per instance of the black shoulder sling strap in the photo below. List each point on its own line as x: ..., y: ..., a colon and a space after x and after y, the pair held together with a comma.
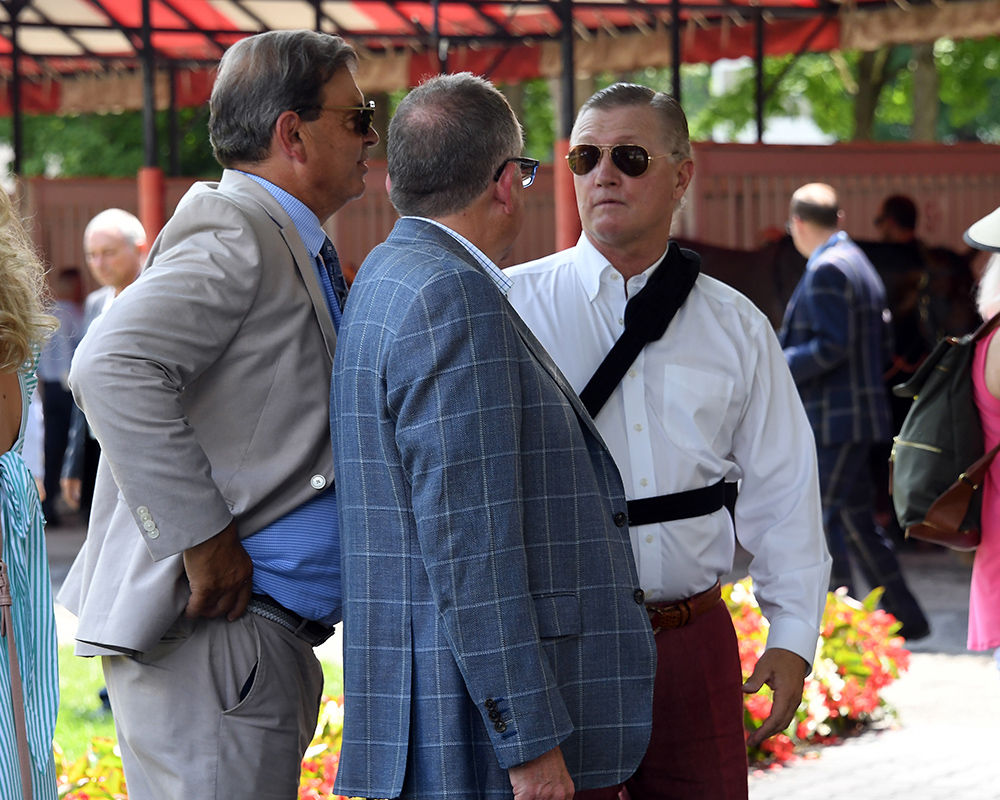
x: 647, y: 316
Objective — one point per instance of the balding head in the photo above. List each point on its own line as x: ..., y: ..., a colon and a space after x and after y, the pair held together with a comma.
x: 813, y: 216
x: 816, y: 204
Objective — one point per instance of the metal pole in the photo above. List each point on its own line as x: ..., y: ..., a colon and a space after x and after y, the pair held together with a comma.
x: 567, y: 218
x: 148, y: 90
x: 675, y: 47
x: 17, y: 115
x: 567, y: 102
x: 759, y: 67
x: 173, y: 128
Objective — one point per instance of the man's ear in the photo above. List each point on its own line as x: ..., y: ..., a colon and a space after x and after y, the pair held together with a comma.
x: 288, y: 136
x: 503, y: 192
x: 684, y: 174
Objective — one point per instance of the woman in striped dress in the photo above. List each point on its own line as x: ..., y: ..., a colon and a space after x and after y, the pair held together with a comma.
x: 23, y: 328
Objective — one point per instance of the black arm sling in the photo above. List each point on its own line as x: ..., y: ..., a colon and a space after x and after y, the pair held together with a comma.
x: 647, y: 316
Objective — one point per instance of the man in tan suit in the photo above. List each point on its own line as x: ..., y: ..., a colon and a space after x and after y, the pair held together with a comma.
x: 207, y: 385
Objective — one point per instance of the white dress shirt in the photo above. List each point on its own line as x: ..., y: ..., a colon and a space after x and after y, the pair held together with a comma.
x: 713, y: 399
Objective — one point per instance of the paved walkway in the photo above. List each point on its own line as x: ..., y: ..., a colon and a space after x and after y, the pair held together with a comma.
x: 945, y: 744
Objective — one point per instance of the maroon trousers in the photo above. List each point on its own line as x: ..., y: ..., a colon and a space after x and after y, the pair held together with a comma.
x: 697, y: 750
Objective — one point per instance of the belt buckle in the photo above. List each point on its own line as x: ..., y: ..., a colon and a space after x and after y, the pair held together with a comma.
x: 312, y: 632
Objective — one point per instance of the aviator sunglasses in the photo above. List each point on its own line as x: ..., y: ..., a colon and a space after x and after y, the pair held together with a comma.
x: 362, y: 122
x: 631, y: 159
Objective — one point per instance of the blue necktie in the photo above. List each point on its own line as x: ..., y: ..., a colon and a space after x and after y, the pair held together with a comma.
x: 328, y: 254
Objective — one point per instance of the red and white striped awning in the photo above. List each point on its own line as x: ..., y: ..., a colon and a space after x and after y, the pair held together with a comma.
x: 76, y: 55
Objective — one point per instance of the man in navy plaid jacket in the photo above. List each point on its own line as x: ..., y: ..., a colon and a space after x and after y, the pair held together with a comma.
x: 837, y: 342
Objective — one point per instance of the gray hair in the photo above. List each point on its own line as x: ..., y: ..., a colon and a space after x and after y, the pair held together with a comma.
x: 263, y: 76
x: 121, y: 221
x: 446, y: 141
x: 672, y: 118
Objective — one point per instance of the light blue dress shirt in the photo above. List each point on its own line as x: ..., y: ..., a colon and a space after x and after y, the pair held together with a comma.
x: 296, y: 559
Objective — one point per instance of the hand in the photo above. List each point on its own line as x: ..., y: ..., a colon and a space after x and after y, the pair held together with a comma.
x: 785, y: 672
x: 72, y: 489
x: 542, y: 778
x: 219, y: 571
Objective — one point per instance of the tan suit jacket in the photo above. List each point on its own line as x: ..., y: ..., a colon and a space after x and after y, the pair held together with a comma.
x: 207, y: 384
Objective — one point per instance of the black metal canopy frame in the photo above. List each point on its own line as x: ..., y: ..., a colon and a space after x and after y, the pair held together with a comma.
x: 59, y: 39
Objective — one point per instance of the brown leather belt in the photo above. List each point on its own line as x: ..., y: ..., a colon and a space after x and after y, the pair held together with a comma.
x: 667, y: 616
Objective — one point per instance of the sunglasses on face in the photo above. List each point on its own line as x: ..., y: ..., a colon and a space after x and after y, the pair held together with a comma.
x: 630, y: 159
x: 363, y: 120
x: 529, y: 166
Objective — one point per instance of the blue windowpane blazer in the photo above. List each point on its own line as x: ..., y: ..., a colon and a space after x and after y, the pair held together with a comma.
x: 491, y: 604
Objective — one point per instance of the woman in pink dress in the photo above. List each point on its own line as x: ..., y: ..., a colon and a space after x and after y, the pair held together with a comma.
x: 984, y: 599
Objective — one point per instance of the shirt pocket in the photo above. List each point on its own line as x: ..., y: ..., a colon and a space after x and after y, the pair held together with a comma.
x: 695, y: 404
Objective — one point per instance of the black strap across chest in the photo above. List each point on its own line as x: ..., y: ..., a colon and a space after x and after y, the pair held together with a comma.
x: 647, y: 316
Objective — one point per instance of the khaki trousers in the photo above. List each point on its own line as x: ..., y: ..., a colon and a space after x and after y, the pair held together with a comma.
x: 216, y: 710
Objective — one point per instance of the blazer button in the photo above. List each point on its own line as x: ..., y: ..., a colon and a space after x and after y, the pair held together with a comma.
x: 621, y: 519
x: 142, y: 511
x: 500, y: 727
x: 490, y: 704
x: 153, y: 534
x: 494, y: 715
x: 317, y: 482
x: 639, y: 596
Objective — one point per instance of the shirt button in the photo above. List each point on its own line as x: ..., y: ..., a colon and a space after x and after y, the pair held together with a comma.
x: 638, y: 426
x: 632, y: 373
x: 620, y: 519
x: 621, y: 321
x: 615, y: 276
x: 644, y: 482
x: 154, y: 534
x: 317, y: 481
x: 649, y: 538
x: 639, y: 596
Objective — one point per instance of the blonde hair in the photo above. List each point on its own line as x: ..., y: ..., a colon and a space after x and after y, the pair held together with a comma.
x: 988, y: 293
x: 24, y: 324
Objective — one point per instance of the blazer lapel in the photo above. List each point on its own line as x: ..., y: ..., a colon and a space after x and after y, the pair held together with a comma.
x: 235, y: 183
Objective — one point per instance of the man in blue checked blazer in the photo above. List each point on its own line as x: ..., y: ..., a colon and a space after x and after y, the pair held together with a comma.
x: 837, y: 340
x: 495, y: 638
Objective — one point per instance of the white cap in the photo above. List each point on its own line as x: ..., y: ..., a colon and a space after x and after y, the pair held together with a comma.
x: 985, y: 234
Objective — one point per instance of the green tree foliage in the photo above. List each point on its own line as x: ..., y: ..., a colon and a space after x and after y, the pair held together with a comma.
x: 110, y: 144
x: 829, y: 87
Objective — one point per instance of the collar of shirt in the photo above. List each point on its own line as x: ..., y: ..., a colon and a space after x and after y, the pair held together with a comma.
x: 594, y: 269
x: 304, y: 220
x: 502, y: 281
x: 839, y: 236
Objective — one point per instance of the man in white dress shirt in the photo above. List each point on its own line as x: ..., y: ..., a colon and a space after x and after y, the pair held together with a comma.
x: 709, y: 403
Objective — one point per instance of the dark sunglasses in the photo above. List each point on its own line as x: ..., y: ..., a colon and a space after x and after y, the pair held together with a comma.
x: 529, y: 166
x: 362, y: 122
x: 631, y: 159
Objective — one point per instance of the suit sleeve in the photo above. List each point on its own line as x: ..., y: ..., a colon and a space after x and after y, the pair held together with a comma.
x: 826, y: 308
x: 158, y: 337
x: 453, y: 382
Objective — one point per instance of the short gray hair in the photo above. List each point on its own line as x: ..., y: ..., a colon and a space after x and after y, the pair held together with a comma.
x: 674, y: 122
x: 263, y: 76
x: 121, y: 221
x: 446, y: 141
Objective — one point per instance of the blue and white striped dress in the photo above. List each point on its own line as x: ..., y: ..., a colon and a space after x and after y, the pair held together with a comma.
x: 34, y: 622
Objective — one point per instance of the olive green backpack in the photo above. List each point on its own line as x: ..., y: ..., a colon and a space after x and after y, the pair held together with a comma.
x: 938, y: 461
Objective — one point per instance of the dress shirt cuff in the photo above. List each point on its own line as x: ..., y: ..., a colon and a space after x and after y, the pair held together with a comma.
x: 793, y: 634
